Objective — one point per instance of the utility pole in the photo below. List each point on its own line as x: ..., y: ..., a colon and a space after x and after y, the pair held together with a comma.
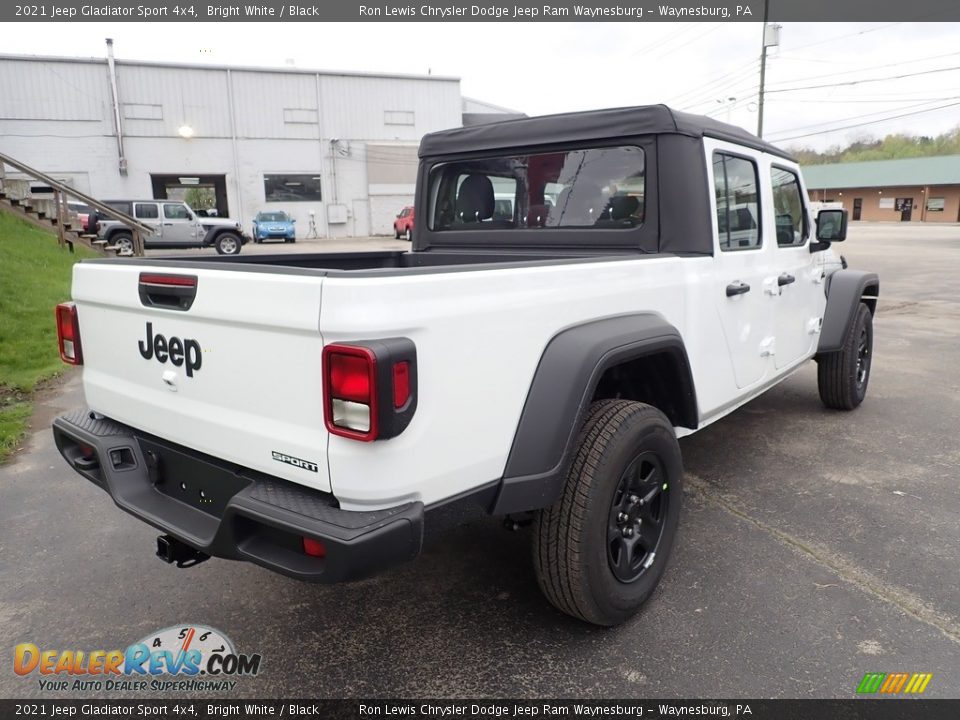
x: 771, y: 38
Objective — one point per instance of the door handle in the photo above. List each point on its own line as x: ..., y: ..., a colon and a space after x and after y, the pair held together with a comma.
x: 737, y: 288
x: 168, y: 223
x: 785, y: 279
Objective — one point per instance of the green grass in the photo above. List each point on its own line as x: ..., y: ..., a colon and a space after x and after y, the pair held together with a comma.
x: 34, y: 277
x: 13, y: 420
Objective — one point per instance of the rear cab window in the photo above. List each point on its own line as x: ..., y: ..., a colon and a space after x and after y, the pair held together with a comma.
x: 600, y: 188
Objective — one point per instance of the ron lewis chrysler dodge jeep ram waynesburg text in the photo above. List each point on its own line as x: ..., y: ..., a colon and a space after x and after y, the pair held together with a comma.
x: 657, y: 270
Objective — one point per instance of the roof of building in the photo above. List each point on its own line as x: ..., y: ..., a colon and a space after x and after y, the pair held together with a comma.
x: 243, y: 68
x: 941, y: 170
x: 590, y: 125
x: 472, y: 105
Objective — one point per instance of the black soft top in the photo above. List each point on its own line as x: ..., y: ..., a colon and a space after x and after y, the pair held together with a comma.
x: 591, y: 125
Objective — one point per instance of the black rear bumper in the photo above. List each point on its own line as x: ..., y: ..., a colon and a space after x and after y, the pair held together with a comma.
x: 225, y: 510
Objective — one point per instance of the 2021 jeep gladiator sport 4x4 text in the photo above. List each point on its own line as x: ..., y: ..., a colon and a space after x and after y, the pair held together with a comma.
x: 659, y: 270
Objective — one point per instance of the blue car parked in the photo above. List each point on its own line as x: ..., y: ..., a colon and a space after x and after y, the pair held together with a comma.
x: 274, y: 225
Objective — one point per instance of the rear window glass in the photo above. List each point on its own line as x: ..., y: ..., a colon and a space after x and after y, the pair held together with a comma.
x: 587, y: 188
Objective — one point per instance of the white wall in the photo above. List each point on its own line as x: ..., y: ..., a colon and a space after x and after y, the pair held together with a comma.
x: 56, y: 115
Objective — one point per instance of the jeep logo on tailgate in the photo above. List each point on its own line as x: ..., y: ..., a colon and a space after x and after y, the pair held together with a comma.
x: 178, y: 352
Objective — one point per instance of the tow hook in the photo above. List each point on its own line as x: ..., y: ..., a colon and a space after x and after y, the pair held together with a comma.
x: 171, y: 550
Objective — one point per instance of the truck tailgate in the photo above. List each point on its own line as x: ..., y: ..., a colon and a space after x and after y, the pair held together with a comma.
x: 236, y: 375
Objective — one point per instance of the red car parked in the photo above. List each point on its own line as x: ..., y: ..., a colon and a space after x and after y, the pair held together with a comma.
x: 403, y: 225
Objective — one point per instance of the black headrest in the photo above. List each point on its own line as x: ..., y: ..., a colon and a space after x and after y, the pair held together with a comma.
x: 475, y: 200
x: 623, y: 206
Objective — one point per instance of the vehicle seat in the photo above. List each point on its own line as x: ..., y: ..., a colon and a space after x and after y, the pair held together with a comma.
x: 475, y: 201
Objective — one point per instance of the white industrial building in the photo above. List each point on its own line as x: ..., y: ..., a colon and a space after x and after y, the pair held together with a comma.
x: 336, y: 147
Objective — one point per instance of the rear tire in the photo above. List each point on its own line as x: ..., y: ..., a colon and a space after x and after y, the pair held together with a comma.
x: 842, y: 376
x: 228, y: 244
x: 598, y: 552
x: 123, y: 241
x: 396, y: 233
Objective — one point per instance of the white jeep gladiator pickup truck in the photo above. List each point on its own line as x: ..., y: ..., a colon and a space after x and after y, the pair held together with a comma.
x: 656, y: 271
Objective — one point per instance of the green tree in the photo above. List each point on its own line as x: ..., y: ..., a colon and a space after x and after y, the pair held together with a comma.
x: 865, y: 147
x: 200, y: 198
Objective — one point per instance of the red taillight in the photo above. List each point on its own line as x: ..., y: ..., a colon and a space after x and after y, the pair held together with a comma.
x: 68, y: 334
x: 314, y: 548
x: 350, y: 391
x: 401, y: 383
x: 369, y: 388
x: 351, y: 377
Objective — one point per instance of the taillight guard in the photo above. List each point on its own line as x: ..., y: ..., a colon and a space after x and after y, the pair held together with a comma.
x: 369, y: 388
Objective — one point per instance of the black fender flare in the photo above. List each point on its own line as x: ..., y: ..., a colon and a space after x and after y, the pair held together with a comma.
x: 563, y: 385
x: 845, y: 289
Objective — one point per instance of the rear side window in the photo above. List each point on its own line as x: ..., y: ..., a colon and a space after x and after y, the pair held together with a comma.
x: 121, y: 206
x: 146, y: 211
x: 600, y: 188
x: 175, y: 211
x: 791, y: 216
x: 738, y: 210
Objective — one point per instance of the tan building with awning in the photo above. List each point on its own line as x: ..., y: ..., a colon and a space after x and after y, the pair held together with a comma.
x: 925, y: 189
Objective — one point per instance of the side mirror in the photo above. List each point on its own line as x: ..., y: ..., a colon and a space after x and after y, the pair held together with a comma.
x: 831, y: 228
x: 832, y: 225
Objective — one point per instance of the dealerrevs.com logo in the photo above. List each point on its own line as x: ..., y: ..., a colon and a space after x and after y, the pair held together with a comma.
x: 176, y: 659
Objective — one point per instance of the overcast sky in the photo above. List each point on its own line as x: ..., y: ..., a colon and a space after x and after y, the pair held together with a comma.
x: 540, y: 68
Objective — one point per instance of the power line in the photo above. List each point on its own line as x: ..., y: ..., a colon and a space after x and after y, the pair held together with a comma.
x: 866, y: 80
x: 735, y: 85
x: 888, y: 100
x: 663, y: 41
x: 879, y: 67
x: 697, y: 90
x: 871, y: 122
x: 840, y: 37
x: 864, y: 115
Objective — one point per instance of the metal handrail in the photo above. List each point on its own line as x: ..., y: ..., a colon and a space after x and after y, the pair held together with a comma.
x: 136, y: 227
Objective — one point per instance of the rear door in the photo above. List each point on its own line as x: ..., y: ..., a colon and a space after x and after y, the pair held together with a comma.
x: 149, y: 214
x: 234, y: 371
x: 742, y: 261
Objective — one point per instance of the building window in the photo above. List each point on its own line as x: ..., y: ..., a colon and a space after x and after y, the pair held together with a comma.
x: 300, y: 116
x: 398, y: 117
x: 936, y: 204
x: 138, y: 111
x: 291, y: 188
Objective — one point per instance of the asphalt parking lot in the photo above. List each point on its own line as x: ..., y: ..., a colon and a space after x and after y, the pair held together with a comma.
x: 815, y: 546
